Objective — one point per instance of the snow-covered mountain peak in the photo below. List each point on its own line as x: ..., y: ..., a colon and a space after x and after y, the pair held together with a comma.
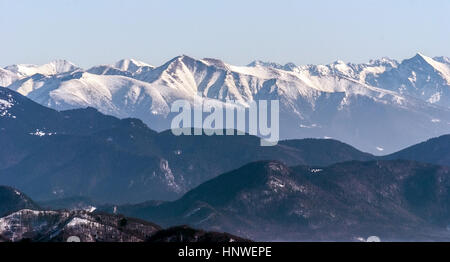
x: 130, y: 65
x: 189, y: 61
x: 259, y: 63
x: 420, y: 76
x: 61, y: 66
x: 418, y: 58
x: 215, y: 62
x: 341, y: 66
x: 54, y: 67
x: 179, y: 62
x: 422, y: 62
x: 420, y: 55
x: 384, y: 61
x: 265, y: 64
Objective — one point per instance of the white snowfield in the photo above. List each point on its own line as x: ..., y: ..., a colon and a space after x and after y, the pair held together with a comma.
x: 318, y: 96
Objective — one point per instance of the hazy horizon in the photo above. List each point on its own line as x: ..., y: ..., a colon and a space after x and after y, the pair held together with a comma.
x: 89, y: 33
x: 199, y: 58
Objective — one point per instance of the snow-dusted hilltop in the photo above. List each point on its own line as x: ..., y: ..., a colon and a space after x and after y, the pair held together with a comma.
x: 380, y: 106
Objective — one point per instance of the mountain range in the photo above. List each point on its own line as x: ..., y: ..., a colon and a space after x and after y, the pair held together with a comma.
x: 379, y: 107
x: 100, y: 170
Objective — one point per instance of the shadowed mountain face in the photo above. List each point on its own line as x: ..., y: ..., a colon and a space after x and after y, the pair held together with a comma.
x: 395, y: 200
x: 435, y: 151
x: 11, y: 200
x: 50, y: 154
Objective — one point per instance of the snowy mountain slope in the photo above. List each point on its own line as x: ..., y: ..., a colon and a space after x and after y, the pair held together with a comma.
x: 422, y: 77
x: 357, y: 72
x: 337, y: 100
x: 112, y: 94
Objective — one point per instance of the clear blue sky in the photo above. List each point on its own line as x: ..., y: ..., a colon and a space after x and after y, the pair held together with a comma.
x: 99, y: 32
